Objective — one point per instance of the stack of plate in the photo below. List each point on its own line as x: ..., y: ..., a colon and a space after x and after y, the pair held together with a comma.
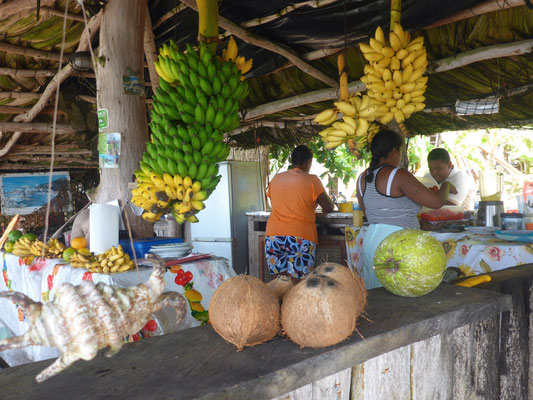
x: 172, y: 250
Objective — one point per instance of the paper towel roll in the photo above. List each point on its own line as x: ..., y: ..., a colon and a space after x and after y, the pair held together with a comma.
x: 104, y: 220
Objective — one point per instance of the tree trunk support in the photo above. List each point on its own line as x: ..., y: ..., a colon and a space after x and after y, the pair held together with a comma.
x: 121, y: 43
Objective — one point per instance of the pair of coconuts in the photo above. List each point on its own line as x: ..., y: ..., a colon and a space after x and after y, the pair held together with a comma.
x: 319, y: 311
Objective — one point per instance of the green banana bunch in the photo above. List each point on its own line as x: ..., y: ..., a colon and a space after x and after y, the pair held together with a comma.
x: 196, y: 103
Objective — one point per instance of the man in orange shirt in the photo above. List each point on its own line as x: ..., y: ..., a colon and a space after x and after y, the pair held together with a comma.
x: 291, y: 236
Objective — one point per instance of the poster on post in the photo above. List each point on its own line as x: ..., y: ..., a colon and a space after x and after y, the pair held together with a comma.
x: 108, y: 149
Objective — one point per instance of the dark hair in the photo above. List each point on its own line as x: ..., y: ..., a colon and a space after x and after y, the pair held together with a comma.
x: 439, y: 154
x: 300, y: 155
x: 382, y: 144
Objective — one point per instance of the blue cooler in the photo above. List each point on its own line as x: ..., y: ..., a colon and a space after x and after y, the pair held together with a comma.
x: 142, y: 246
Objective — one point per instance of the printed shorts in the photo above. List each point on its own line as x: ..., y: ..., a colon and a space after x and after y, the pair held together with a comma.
x: 290, y: 254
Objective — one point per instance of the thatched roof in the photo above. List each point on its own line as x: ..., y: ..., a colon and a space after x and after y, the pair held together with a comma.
x: 313, y: 33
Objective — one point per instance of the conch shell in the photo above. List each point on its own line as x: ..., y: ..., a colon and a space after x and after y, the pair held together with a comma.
x: 83, y: 319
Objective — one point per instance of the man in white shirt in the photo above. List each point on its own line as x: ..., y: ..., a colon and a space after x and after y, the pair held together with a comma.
x: 442, y: 169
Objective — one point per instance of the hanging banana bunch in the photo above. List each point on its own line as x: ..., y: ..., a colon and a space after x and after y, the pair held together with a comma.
x: 196, y: 103
x: 356, y: 123
x: 394, y: 76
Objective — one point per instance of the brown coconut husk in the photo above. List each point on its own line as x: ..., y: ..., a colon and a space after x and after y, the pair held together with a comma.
x: 244, y: 311
x: 319, y: 312
x: 348, y: 278
x: 281, y: 285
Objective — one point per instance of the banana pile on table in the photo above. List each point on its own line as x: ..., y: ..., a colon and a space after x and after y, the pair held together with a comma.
x: 25, y: 247
x: 356, y: 123
x: 196, y: 103
x: 394, y: 76
x: 110, y: 261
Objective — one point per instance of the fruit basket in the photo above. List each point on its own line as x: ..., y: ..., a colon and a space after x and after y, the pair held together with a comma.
x: 445, y: 213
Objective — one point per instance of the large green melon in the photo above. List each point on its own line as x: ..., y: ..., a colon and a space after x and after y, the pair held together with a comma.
x: 410, y: 263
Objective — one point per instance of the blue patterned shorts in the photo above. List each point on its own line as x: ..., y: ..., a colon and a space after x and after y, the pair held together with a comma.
x: 290, y: 254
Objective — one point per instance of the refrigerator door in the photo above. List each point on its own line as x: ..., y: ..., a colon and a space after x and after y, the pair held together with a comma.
x: 215, y: 218
x: 246, y: 195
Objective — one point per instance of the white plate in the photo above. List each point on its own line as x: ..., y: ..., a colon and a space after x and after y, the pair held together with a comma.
x: 481, y: 230
x: 168, y: 254
x: 515, y: 235
x: 171, y: 246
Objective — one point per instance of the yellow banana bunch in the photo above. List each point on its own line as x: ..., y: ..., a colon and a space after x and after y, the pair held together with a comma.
x: 230, y: 53
x: 394, y: 76
x: 110, y: 261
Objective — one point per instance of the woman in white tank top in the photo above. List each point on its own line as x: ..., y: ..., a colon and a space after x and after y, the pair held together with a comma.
x: 391, y: 197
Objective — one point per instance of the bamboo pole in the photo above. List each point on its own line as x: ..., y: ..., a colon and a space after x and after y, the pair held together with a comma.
x: 24, y: 51
x: 446, y: 64
x: 35, y: 127
x: 150, y: 51
x: 170, y: 14
x: 478, y: 9
x: 277, y: 48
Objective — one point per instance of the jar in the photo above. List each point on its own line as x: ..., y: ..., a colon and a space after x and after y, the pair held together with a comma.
x: 529, y: 222
x: 511, y: 221
x: 357, y: 215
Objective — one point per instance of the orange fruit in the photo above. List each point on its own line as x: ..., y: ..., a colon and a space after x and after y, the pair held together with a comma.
x: 78, y: 243
x: 67, y: 253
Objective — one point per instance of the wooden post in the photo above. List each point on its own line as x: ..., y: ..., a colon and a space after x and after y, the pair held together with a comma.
x: 121, y: 45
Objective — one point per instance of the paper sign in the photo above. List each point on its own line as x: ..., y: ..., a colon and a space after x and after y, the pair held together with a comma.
x: 103, y: 118
x: 108, y: 149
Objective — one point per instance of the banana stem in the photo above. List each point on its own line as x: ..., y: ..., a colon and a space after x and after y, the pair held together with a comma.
x: 378, y: 267
x: 395, y: 13
x: 208, y: 21
x: 343, y: 77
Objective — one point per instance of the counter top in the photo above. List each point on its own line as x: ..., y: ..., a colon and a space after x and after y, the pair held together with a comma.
x: 197, y: 363
x: 319, y: 215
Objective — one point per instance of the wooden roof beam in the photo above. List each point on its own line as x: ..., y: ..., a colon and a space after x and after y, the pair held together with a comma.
x: 22, y: 110
x: 478, y: 9
x: 272, y: 46
x: 28, y: 52
x: 19, y: 95
x: 61, y: 13
x: 39, y: 73
x: 35, y: 127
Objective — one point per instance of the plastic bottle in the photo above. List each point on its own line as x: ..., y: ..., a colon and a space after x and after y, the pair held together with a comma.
x: 357, y: 215
x: 341, y: 198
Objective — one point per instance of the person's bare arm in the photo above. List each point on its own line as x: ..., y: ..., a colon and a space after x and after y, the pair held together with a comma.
x: 325, y: 202
x: 360, y: 195
x: 416, y: 191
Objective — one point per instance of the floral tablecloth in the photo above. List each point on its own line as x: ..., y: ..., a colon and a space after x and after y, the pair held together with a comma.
x: 473, y: 254
x: 38, y: 279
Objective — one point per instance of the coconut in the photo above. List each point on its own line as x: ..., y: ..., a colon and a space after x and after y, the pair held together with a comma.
x: 280, y: 285
x: 410, y: 263
x: 319, y: 312
x: 244, y: 311
x: 346, y: 277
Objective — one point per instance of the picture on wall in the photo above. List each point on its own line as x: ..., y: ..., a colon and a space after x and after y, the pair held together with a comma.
x: 26, y: 193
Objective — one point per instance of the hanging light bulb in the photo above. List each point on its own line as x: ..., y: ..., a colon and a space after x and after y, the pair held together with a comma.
x: 80, y: 61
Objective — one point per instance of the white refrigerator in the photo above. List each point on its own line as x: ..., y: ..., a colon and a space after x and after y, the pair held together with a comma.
x: 223, y: 226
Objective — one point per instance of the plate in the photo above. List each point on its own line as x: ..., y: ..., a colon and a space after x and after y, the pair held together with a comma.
x: 515, y: 235
x: 169, y: 254
x: 481, y: 230
x: 171, y: 246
